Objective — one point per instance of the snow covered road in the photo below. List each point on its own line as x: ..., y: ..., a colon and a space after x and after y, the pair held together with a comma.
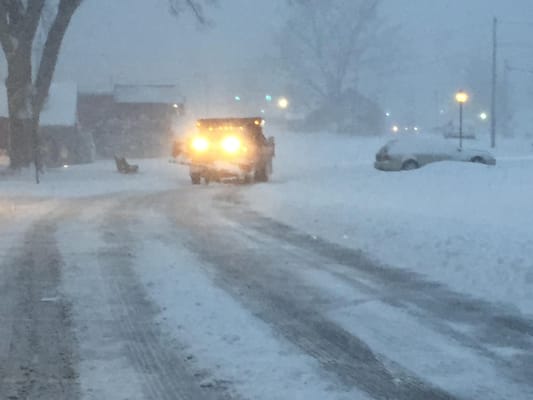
x: 334, y: 281
x: 191, y: 294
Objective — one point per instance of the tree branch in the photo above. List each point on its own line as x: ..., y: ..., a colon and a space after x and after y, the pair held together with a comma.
x: 31, y: 19
x: 15, y: 11
x: 197, y: 10
x: 50, y: 54
x: 5, y: 37
x: 178, y: 6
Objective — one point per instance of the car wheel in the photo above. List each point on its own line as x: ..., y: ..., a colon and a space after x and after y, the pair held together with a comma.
x: 478, y: 160
x: 409, y: 165
x: 195, y: 179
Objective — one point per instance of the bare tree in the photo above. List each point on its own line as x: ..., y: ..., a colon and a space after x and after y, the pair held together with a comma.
x: 326, y: 44
x: 197, y: 7
x: 27, y: 90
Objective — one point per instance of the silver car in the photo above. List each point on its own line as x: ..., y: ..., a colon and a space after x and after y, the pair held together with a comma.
x: 414, y: 152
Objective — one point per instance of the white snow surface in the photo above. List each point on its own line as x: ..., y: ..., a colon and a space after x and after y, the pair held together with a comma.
x: 216, y: 332
x: 99, y: 178
x: 260, y: 364
x: 463, y: 224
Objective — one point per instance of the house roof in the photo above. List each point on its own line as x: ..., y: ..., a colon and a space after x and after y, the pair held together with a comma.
x: 147, y: 94
x: 60, y: 108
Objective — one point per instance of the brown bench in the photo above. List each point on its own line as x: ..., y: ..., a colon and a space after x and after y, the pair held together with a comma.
x: 124, y: 167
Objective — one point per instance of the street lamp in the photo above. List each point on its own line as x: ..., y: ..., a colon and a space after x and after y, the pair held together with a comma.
x: 283, y: 103
x: 461, y: 97
x: 483, y: 116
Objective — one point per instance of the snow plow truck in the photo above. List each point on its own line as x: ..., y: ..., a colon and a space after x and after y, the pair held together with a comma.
x: 227, y: 149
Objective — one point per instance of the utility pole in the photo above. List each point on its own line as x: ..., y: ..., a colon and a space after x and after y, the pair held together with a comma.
x: 494, y: 78
x: 505, y: 97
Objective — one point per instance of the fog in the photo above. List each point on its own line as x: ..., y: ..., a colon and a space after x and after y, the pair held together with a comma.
x: 437, y: 48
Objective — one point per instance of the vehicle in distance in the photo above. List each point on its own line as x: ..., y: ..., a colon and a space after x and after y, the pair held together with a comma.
x: 414, y: 152
x: 227, y: 148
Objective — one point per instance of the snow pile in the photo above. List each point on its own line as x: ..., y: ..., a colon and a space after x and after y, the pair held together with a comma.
x: 463, y: 224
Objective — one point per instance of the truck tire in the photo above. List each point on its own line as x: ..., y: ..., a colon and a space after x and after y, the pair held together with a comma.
x: 195, y: 179
x: 247, y: 179
x: 261, y: 173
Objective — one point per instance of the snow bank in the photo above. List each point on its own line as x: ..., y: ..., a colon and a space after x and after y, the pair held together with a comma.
x: 463, y: 224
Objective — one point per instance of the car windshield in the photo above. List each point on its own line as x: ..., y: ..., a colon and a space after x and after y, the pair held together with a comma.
x: 266, y: 199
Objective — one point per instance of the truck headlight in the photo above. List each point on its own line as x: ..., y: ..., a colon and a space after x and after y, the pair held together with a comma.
x: 200, y: 144
x: 231, y: 144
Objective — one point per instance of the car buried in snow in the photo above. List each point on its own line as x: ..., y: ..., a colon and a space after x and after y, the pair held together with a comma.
x: 225, y: 149
x: 414, y: 152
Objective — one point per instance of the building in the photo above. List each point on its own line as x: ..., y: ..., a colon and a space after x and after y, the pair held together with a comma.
x: 62, y: 140
x: 133, y: 120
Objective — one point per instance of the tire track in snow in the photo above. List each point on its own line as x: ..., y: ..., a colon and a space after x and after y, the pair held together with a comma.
x: 41, y: 360
x: 165, y: 374
x: 490, y: 326
x: 252, y: 277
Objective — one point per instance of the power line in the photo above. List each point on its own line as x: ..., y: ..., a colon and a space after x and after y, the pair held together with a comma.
x: 518, y: 69
x: 523, y: 23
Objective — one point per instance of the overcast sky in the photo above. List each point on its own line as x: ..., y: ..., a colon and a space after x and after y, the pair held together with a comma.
x: 138, y: 41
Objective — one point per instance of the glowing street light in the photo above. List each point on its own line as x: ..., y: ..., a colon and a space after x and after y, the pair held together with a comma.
x: 283, y: 103
x: 483, y: 116
x: 461, y: 97
x: 395, y: 128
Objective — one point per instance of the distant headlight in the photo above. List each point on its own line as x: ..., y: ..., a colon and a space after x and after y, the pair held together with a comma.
x: 231, y: 144
x: 200, y: 144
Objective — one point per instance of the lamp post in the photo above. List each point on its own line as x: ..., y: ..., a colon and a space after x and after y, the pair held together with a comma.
x: 283, y: 103
x: 461, y: 97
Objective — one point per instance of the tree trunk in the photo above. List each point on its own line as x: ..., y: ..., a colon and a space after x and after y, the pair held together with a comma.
x: 20, y: 142
x: 18, y: 24
x: 21, y: 121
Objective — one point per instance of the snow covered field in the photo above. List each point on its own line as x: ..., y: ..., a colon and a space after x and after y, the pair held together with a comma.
x: 466, y: 225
